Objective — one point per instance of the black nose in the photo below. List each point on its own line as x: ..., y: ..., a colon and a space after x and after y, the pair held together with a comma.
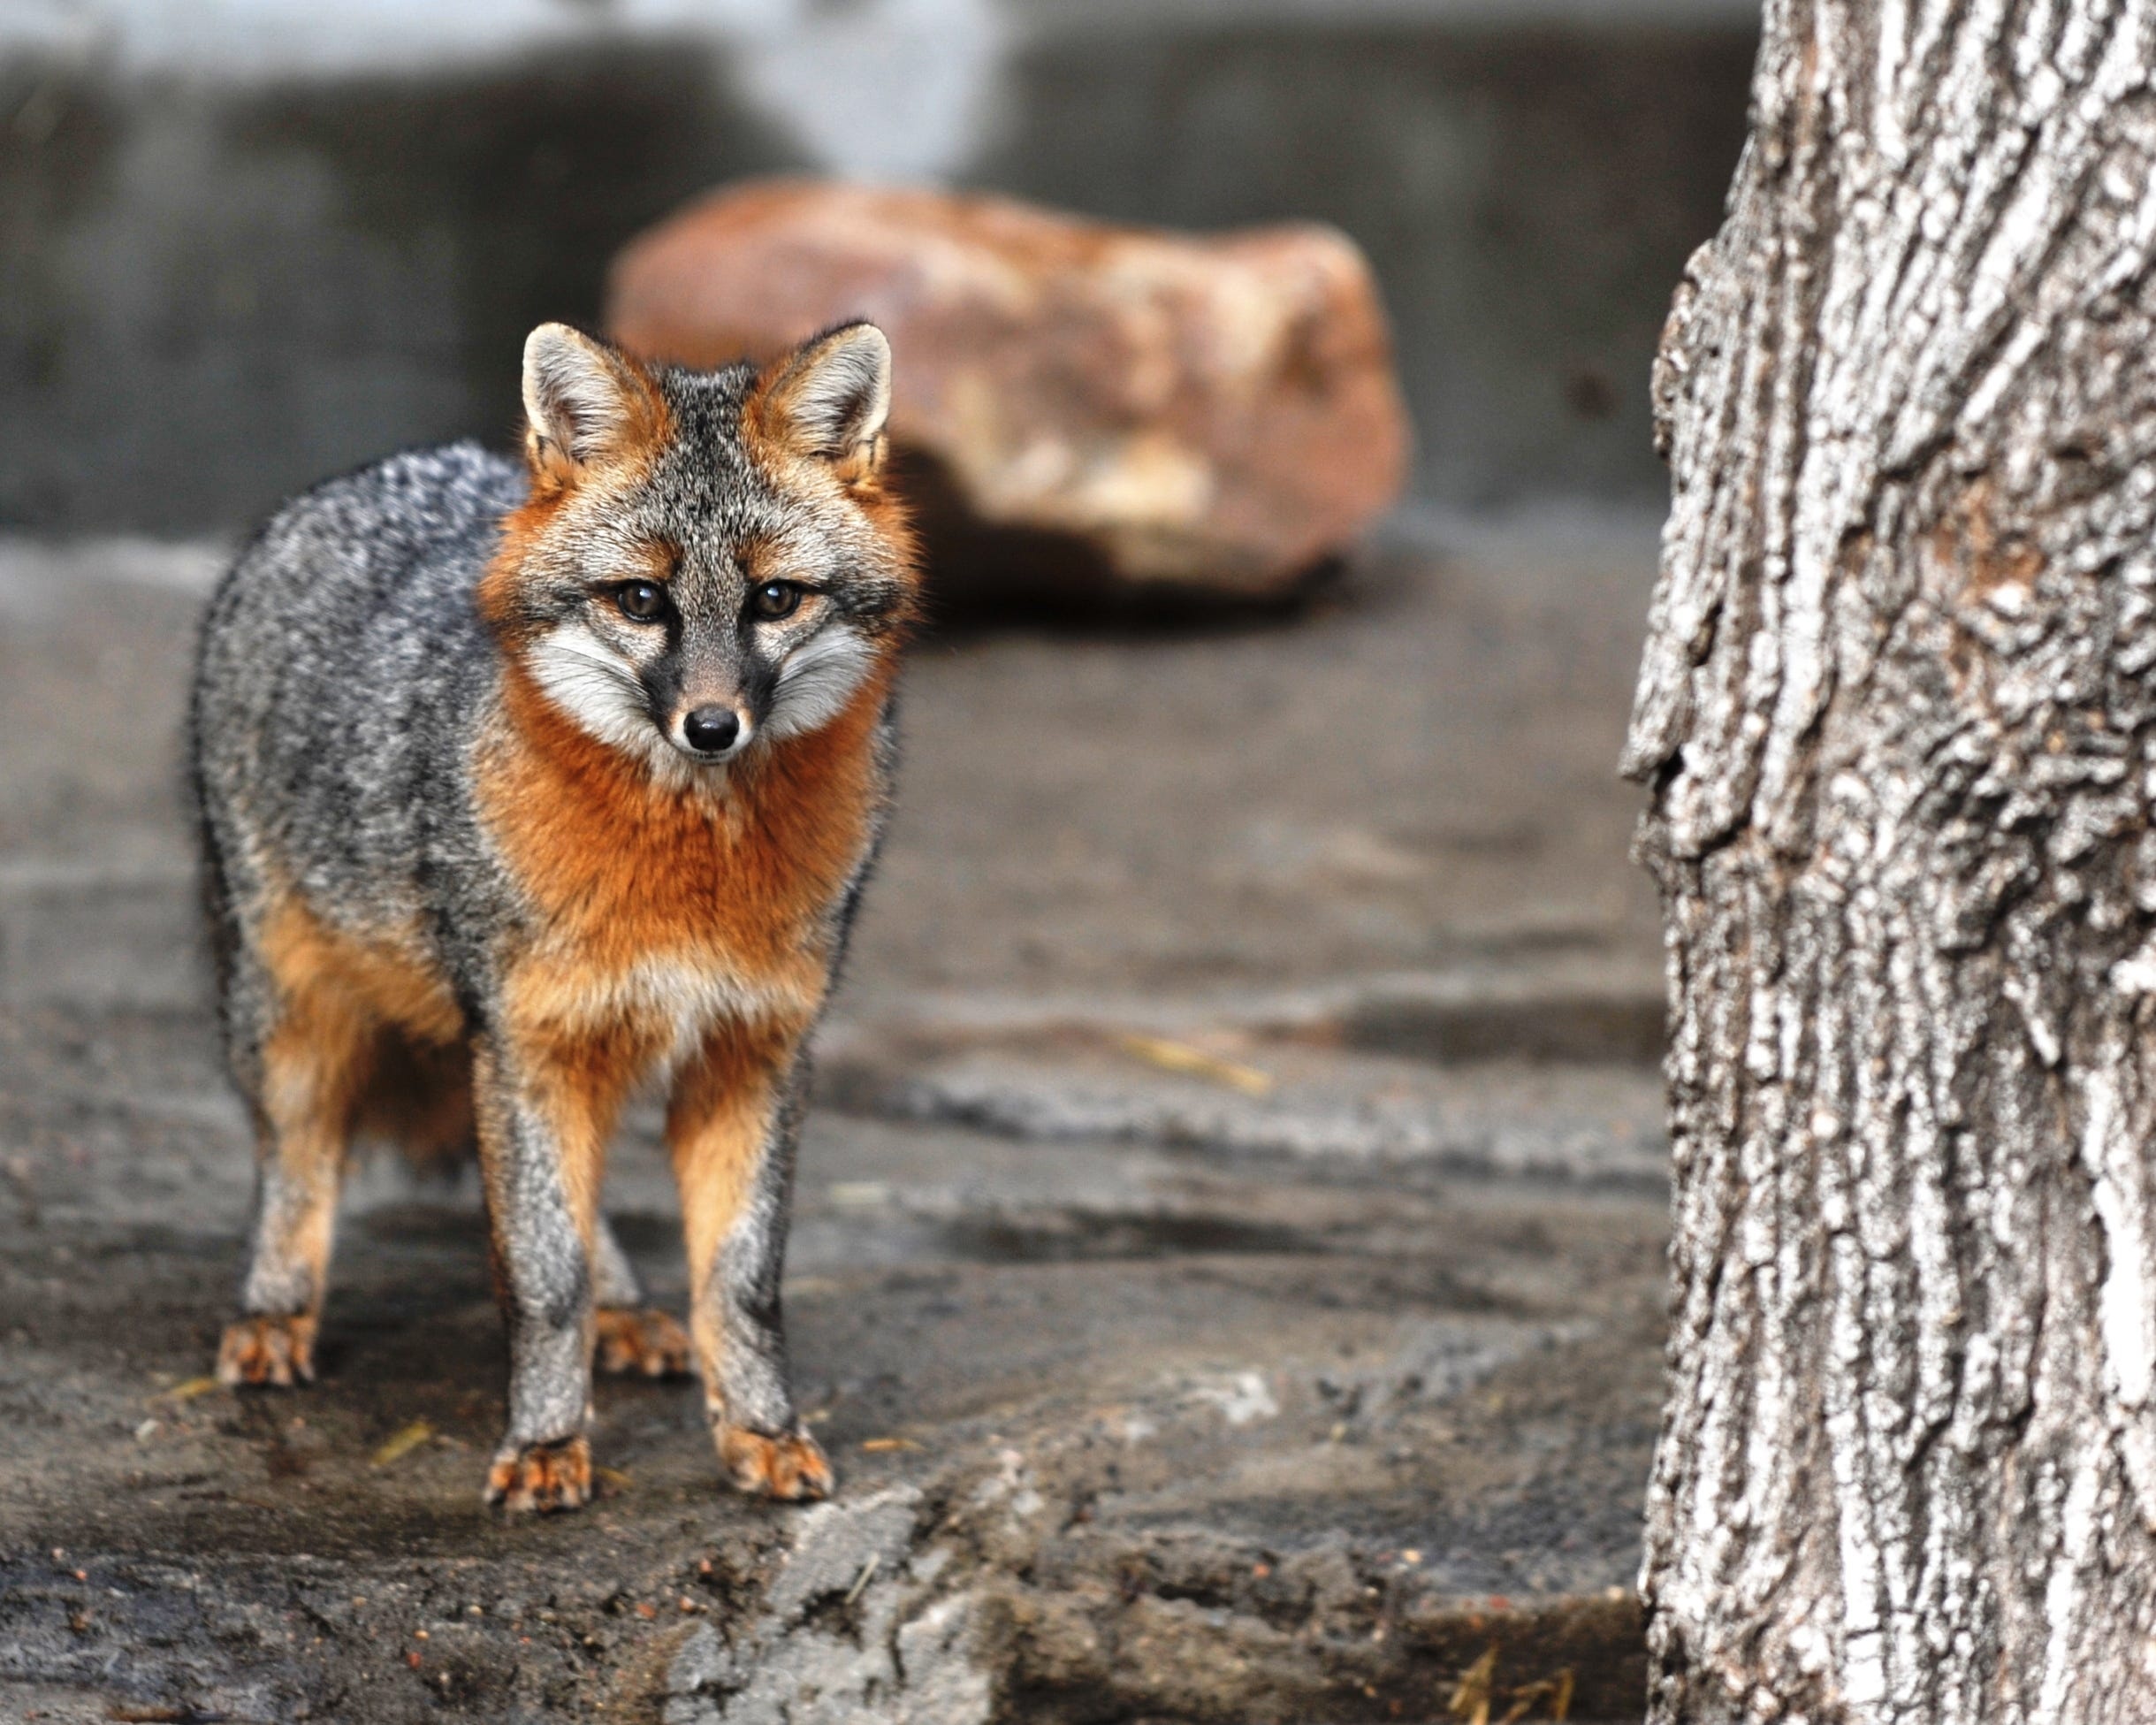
x: 711, y: 730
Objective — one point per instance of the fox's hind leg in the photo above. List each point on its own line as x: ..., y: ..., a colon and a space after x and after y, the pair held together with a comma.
x: 731, y: 1130
x: 308, y: 1070
x: 634, y: 1338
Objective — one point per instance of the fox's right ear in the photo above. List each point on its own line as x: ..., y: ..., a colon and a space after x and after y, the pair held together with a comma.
x: 588, y: 404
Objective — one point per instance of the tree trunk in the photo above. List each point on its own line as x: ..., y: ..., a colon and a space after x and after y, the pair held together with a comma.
x: 1898, y: 711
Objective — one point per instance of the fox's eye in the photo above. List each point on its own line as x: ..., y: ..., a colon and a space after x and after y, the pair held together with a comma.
x: 640, y: 601
x: 774, y: 599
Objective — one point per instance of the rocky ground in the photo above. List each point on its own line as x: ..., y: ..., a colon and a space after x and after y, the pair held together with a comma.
x: 1228, y: 1265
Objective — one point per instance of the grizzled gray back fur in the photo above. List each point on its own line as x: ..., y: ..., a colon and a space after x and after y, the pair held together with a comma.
x: 342, y: 672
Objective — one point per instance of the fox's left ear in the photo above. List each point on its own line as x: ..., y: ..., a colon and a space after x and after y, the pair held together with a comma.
x: 828, y: 399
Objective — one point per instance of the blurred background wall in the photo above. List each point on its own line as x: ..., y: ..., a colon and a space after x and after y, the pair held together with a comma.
x: 244, y: 243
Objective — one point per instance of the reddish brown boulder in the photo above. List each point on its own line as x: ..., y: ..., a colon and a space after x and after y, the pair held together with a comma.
x: 1075, y: 404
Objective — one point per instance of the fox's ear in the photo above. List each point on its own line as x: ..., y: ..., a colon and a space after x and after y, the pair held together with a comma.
x: 587, y: 404
x: 829, y: 398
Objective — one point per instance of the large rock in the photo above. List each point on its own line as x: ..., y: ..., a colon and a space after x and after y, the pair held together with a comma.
x: 1078, y: 405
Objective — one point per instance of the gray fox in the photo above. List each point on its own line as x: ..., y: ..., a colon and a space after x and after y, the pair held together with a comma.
x: 520, y: 787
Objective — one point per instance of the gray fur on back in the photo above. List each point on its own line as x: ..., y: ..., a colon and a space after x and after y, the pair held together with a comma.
x: 344, y: 670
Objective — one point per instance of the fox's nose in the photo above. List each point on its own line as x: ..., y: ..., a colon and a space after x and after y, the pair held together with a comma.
x: 711, y: 730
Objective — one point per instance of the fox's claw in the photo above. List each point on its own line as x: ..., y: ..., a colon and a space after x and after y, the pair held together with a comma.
x: 541, y: 1477
x: 792, y: 1468
x: 640, y: 1341
x: 269, y: 1352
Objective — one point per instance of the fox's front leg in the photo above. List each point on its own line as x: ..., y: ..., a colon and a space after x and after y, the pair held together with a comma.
x: 545, y: 1111
x: 731, y: 1131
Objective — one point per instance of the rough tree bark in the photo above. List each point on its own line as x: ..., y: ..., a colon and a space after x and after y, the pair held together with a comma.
x: 1897, y: 712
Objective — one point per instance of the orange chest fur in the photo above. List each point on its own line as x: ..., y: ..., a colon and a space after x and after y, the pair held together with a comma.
x: 624, y: 872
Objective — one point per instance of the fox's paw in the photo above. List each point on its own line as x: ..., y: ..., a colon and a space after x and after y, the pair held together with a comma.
x: 640, y: 1341
x: 541, y: 1477
x: 791, y: 1468
x: 278, y: 1351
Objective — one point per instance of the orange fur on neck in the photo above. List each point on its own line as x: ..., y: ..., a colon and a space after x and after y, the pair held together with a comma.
x: 619, y: 868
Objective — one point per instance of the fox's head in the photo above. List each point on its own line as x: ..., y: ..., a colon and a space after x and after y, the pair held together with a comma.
x: 709, y: 561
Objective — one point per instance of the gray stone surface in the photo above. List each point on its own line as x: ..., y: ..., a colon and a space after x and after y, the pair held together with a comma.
x: 1152, y: 1397
x: 247, y: 243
